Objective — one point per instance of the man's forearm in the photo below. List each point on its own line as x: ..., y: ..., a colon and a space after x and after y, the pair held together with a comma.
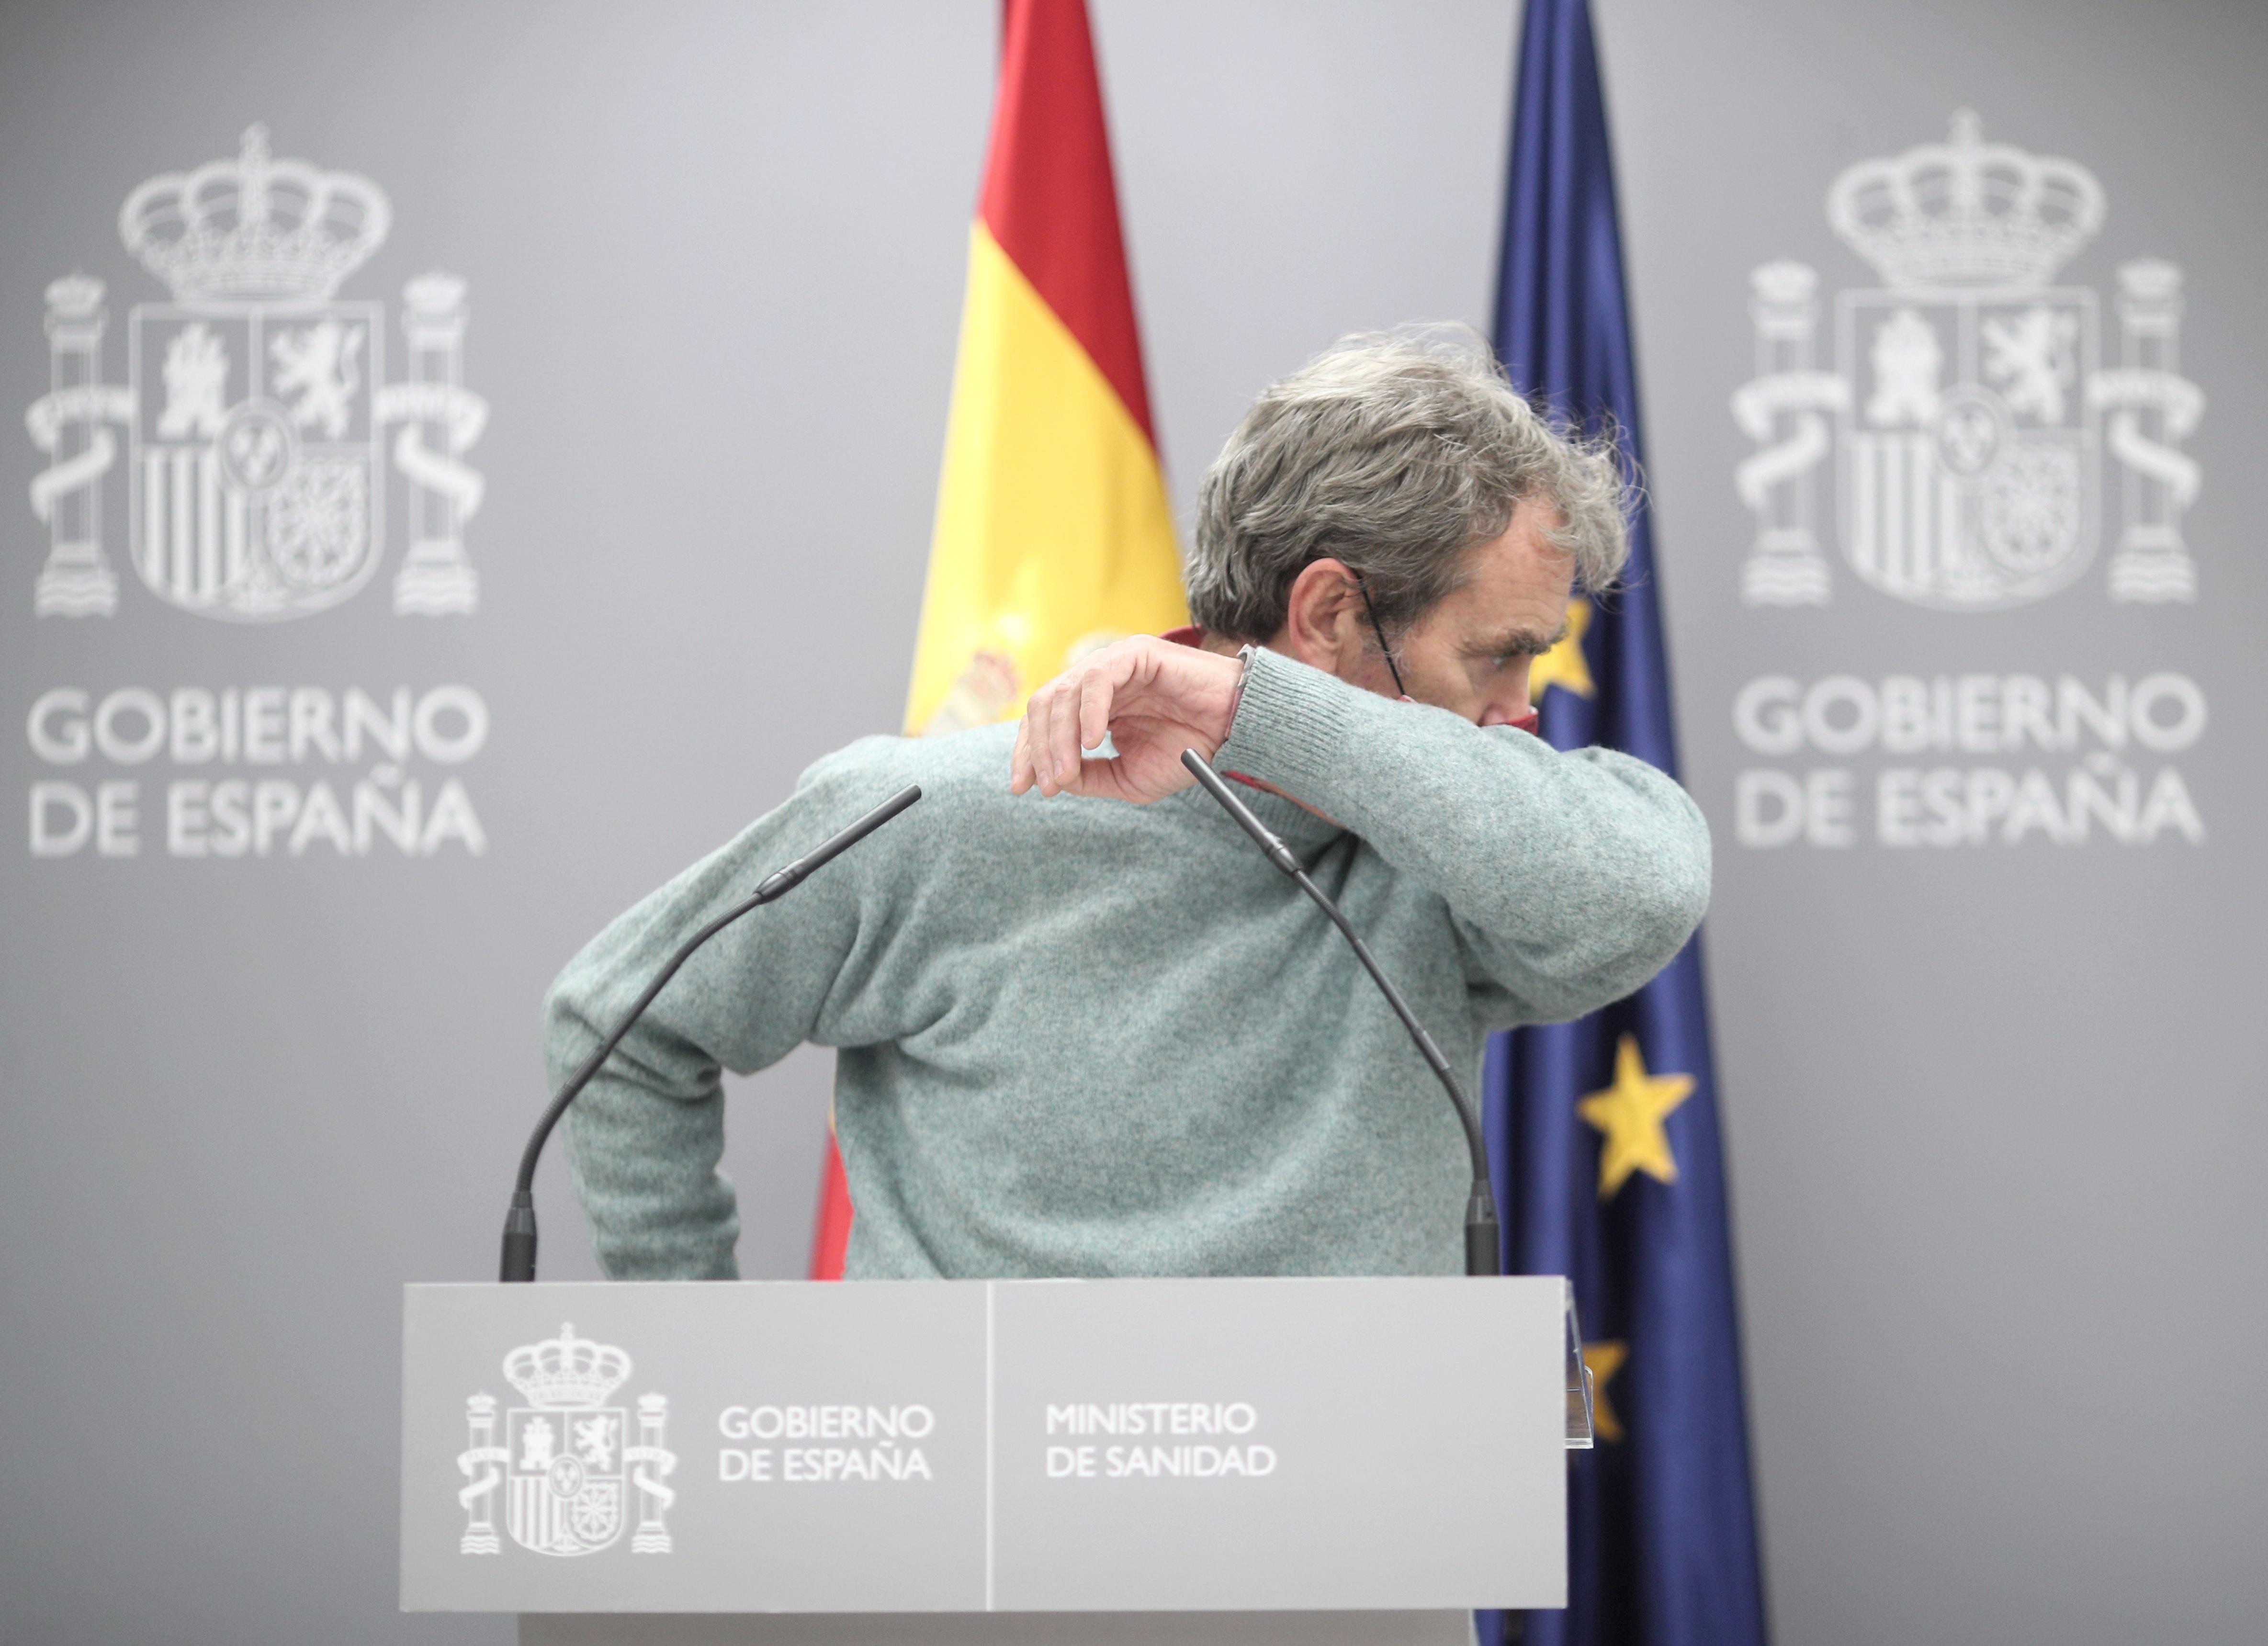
x: 646, y: 1170
x: 1594, y: 865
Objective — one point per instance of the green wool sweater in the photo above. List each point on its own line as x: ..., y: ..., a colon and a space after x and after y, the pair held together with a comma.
x: 1079, y: 1037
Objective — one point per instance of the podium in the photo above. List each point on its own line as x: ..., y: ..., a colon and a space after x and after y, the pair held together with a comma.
x: 1072, y: 1462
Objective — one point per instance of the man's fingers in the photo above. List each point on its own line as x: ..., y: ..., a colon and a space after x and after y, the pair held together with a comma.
x: 1062, y: 731
x: 1096, y: 692
x: 1020, y: 759
x: 1073, y: 713
x: 1068, y: 716
x: 1040, y: 718
x: 1035, y: 740
x: 1031, y: 758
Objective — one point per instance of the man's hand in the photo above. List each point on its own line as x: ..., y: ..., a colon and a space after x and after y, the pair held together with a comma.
x: 1153, y: 698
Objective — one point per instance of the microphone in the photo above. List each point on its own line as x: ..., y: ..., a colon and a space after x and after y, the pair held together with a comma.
x: 519, y: 1262
x: 1482, y: 1256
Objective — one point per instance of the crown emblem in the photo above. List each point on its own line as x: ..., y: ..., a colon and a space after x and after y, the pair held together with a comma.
x: 566, y: 1369
x: 255, y: 229
x: 1966, y: 212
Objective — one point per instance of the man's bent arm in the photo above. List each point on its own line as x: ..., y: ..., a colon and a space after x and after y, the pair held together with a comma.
x: 647, y: 1135
x: 1574, y: 877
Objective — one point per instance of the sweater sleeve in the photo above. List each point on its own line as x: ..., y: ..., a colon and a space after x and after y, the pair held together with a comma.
x: 1571, y: 878
x: 647, y: 1133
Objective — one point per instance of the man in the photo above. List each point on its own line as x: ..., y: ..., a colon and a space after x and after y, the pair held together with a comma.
x: 1081, y: 1036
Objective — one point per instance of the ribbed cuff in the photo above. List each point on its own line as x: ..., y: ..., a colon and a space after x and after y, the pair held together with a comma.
x: 1291, y: 725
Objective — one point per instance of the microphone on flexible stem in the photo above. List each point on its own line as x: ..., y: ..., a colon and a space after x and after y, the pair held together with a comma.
x: 519, y: 1262
x: 1482, y: 1256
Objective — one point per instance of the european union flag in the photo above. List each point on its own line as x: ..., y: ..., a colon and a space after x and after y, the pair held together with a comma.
x: 1603, y: 1133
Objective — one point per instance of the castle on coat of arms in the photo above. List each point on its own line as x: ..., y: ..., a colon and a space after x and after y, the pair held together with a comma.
x: 256, y: 409
x: 1970, y: 403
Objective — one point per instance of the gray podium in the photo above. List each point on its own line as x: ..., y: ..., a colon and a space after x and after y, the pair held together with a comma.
x: 1077, y: 1463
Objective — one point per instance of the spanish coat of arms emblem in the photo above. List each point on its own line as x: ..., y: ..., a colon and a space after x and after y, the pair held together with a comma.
x: 1971, y: 404
x: 567, y: 1461
x: 255, y: 409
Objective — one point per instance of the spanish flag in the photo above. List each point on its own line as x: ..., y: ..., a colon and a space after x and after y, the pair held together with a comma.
x: 1053, y: 533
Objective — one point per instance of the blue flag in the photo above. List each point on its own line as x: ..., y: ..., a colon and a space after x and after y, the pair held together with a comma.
x: 1603, y: 1133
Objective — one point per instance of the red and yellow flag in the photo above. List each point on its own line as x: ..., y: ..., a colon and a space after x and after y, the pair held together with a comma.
x: 1053, y: 533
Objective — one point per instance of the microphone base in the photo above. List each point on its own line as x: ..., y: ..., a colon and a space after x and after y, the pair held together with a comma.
x: 1483, y: 1248
x: 518, y: 1259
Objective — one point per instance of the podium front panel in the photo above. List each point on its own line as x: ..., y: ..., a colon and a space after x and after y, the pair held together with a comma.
x: 1200, y: 1446
x: 1024, y: 1446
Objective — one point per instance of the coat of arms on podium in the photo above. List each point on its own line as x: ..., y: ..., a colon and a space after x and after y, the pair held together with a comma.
x: 256, y: 411
x: 567, y: 1462
x: 1971, y: 409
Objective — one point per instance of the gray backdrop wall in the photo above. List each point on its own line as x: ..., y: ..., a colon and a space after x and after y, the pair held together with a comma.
x: 1992, y: 1121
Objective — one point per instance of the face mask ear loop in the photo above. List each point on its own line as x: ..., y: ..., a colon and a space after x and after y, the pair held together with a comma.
x: 1379, y: 628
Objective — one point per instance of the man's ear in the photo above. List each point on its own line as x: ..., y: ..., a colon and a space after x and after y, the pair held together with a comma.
x: 1322, y: 617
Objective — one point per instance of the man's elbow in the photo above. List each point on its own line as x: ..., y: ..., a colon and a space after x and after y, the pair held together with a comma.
x: 567, y: 1033
x: 1687, y: 883
x: 1668, y: 902
x: 1648, y: 911
x: 1652, y: 867
x: 579, y: 1010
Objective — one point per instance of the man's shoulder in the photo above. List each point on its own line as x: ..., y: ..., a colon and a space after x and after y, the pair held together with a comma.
x: 963, y: 770
x: 965, y: 799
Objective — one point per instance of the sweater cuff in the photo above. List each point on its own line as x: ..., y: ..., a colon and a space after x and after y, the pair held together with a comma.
x: 1291, y: 723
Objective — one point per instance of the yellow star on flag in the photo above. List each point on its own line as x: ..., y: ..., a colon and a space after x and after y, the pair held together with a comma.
x: 1605, y: 1358
x: 1565, y: 665
x: 1629, y: 1113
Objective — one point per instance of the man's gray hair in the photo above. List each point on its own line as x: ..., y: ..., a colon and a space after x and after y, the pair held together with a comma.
x: 1394, y: 452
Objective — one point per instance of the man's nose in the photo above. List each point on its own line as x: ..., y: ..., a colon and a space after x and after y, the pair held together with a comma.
x: 1510, y: 707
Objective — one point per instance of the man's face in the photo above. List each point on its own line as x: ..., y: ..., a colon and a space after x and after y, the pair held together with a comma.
x: 1470, y: 652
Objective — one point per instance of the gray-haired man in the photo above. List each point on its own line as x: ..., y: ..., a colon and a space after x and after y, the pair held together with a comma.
x: 1078, y: 1036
